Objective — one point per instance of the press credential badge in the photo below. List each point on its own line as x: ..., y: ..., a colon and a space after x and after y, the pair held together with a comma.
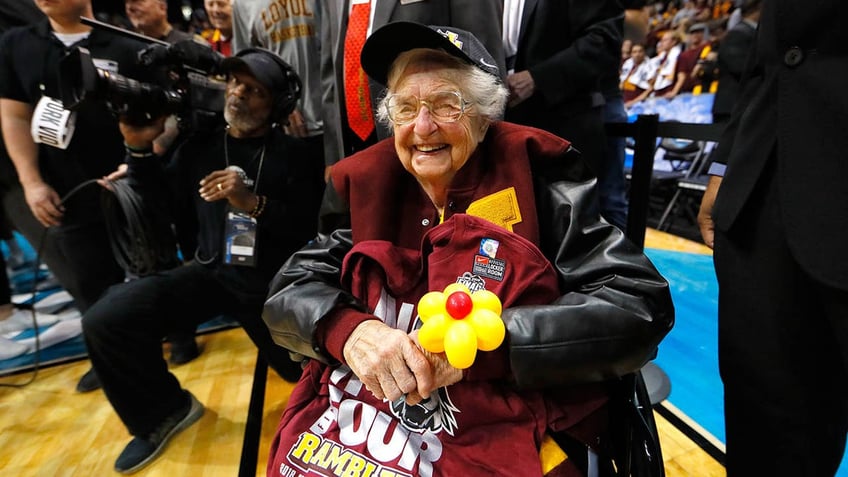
x: 240, y: 239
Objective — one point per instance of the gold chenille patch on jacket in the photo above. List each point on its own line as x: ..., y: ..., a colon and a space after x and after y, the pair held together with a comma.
x: 551, y: 454
x: 500, y: 208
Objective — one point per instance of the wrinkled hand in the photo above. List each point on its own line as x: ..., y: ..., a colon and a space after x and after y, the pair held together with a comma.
x: 443, y: 373
x: 705, y: 217
x: 521, y: 86
x: 227, y: 184
x: 296, y: 126
x: 44, y: 202
x: 387, y: 361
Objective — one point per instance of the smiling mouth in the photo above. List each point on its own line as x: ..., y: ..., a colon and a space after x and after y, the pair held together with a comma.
x: 426, y: 148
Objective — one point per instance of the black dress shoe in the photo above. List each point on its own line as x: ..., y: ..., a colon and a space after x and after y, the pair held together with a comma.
x: 184, y: 351
x: 88, y: 382
x: 289, y: 370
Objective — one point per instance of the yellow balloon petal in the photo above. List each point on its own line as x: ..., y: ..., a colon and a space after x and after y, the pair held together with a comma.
x: 488, y: 327
x: 455, y: 287
x: 432, y: 303
x: 431, y: 335
x: 460, y: 344
x: 487, y: 300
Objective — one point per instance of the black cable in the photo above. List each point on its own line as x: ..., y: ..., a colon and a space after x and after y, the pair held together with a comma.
x: 140, y: 243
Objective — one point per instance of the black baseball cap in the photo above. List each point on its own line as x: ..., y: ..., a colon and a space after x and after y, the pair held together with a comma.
x: 385, y: 44
x: 261, y: 65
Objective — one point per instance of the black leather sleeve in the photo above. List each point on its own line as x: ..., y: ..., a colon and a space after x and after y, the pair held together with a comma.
x: 615, y: 306
x: 307, y: 286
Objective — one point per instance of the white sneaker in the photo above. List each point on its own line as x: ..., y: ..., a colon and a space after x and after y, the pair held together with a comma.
x: 21, y: 320
x: 54, y: 301
x: 10, y: 349
x: 62, y: 331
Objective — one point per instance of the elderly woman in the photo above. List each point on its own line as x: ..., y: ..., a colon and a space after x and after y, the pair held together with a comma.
x: 456, y: 196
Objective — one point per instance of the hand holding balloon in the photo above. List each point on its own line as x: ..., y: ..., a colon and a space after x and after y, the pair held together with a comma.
x: 458, y: 323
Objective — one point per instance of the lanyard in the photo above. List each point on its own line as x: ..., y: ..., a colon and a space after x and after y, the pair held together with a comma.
x: 260, y: 153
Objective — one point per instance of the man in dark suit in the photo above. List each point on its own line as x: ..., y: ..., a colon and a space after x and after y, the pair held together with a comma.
x: 480, y: 17
x: 732, y: 54
x: 779, y: 225
x: 563, y: 50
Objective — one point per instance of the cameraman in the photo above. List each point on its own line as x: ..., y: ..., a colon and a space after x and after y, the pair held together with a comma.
x: 77, y: 238
x: 253, y: 196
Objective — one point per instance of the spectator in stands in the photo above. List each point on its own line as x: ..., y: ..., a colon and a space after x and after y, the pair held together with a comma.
x: 704, y: 11
x: 636, y: 75
x: 688, y: 12
x: 736, y: 15
x: 267, y: 199
x: 732, y: 55
x: 626, y: 46
x: 697, y: 48
x: 778, y: 222
x: 666, y: 74
x: 220, y: 14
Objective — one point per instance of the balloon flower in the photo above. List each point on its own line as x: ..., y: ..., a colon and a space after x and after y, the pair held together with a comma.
x: 458, y: 323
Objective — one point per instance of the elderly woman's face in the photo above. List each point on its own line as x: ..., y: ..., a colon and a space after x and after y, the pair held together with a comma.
x: 433, y: 150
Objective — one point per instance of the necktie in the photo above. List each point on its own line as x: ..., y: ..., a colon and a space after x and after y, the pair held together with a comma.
x: 357, y: 98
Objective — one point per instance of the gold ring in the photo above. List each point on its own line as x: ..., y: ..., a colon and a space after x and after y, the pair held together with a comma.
x: 220, y: 187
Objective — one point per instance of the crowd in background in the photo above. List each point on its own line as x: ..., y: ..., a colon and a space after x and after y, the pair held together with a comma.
x: 680, y: 52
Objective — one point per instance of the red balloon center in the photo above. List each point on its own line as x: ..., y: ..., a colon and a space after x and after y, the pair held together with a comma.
x: 459, y: 304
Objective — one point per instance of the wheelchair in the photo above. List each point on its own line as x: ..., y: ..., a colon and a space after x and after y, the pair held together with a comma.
x: 630, y: 446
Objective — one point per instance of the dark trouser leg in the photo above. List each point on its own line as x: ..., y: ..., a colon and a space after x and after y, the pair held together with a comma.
x: 124, y: 330
x: 89, y: 256
x: 613, y: 185
x: 783, y: 370
x: 18, y: 212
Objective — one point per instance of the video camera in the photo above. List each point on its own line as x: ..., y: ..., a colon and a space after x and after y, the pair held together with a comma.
x: 184, y: 86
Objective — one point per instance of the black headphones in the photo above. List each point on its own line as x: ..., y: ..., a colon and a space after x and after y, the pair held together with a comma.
x: 286, y: 99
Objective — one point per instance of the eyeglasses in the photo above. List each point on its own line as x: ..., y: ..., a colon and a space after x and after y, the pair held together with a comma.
x: 444, y: 107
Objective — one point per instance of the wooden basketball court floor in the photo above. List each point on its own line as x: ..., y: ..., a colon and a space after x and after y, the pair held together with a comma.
x: 48, y: 429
